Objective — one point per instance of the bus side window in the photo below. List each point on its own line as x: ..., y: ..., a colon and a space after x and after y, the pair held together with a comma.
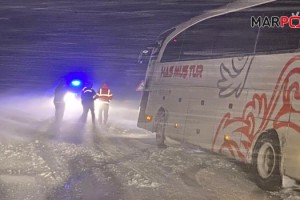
x: 222, y: 36
x: 277, y: 39
x: 199, y: 40
x: 236, y: 36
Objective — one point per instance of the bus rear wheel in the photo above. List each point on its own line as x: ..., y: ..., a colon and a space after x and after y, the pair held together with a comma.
x: 266, y: 162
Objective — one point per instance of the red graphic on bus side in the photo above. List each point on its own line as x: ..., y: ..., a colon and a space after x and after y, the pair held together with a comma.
x: 257, y: 112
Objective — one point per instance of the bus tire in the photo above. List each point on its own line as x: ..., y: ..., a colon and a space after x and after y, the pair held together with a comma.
x: 160, y: 128
x: 266, y: 162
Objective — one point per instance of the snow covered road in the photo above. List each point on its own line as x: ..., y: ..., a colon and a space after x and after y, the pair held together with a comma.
x: 115, y: 162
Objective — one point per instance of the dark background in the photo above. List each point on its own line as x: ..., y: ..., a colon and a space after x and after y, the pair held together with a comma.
x: 42, y: 40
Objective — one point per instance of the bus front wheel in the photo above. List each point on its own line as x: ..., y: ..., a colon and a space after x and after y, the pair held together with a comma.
x: 266, y: 162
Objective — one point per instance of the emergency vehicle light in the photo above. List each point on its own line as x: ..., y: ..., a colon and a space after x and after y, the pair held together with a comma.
x: 76, y: 83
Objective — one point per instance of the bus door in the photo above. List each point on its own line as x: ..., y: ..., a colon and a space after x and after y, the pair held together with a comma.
x: 176, y: 104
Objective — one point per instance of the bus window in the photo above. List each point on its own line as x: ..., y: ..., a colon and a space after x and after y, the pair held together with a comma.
x: 272, y: 40
x: 161, y: 38
x: 235, y: 36
x: 277, y: 39
x: 221, y: 36
x: 198, y: 41
x: 173, y: 49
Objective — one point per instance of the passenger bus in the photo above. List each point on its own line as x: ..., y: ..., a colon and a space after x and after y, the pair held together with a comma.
x: 227, y: 83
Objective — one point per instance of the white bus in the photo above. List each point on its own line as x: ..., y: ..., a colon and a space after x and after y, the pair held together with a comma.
x: 219, y: 83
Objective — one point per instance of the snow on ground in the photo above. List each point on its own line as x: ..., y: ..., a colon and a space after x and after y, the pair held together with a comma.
x: 37, y: 167
x: 117, y: 161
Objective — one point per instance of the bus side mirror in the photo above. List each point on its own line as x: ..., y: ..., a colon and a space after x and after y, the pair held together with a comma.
x: 144, y: 55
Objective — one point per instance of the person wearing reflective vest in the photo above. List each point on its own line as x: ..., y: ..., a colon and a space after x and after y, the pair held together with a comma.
x: 88, y: 96
x: 105, y: 96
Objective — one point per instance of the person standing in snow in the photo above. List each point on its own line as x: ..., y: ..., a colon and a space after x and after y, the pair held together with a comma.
x: 87, y: 100
x: 59, y: 102
x: 105, y: 96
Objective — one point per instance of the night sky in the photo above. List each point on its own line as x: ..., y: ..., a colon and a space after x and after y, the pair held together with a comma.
x: 42, y: 40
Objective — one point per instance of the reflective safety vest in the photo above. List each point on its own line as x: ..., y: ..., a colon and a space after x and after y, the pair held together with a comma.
x: 105, y: 95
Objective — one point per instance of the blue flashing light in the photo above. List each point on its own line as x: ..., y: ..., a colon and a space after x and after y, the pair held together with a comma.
x: 76, y: 83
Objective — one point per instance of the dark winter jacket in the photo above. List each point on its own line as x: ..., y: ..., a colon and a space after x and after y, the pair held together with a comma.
x: 87, y: 95
x: 59, y: 93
